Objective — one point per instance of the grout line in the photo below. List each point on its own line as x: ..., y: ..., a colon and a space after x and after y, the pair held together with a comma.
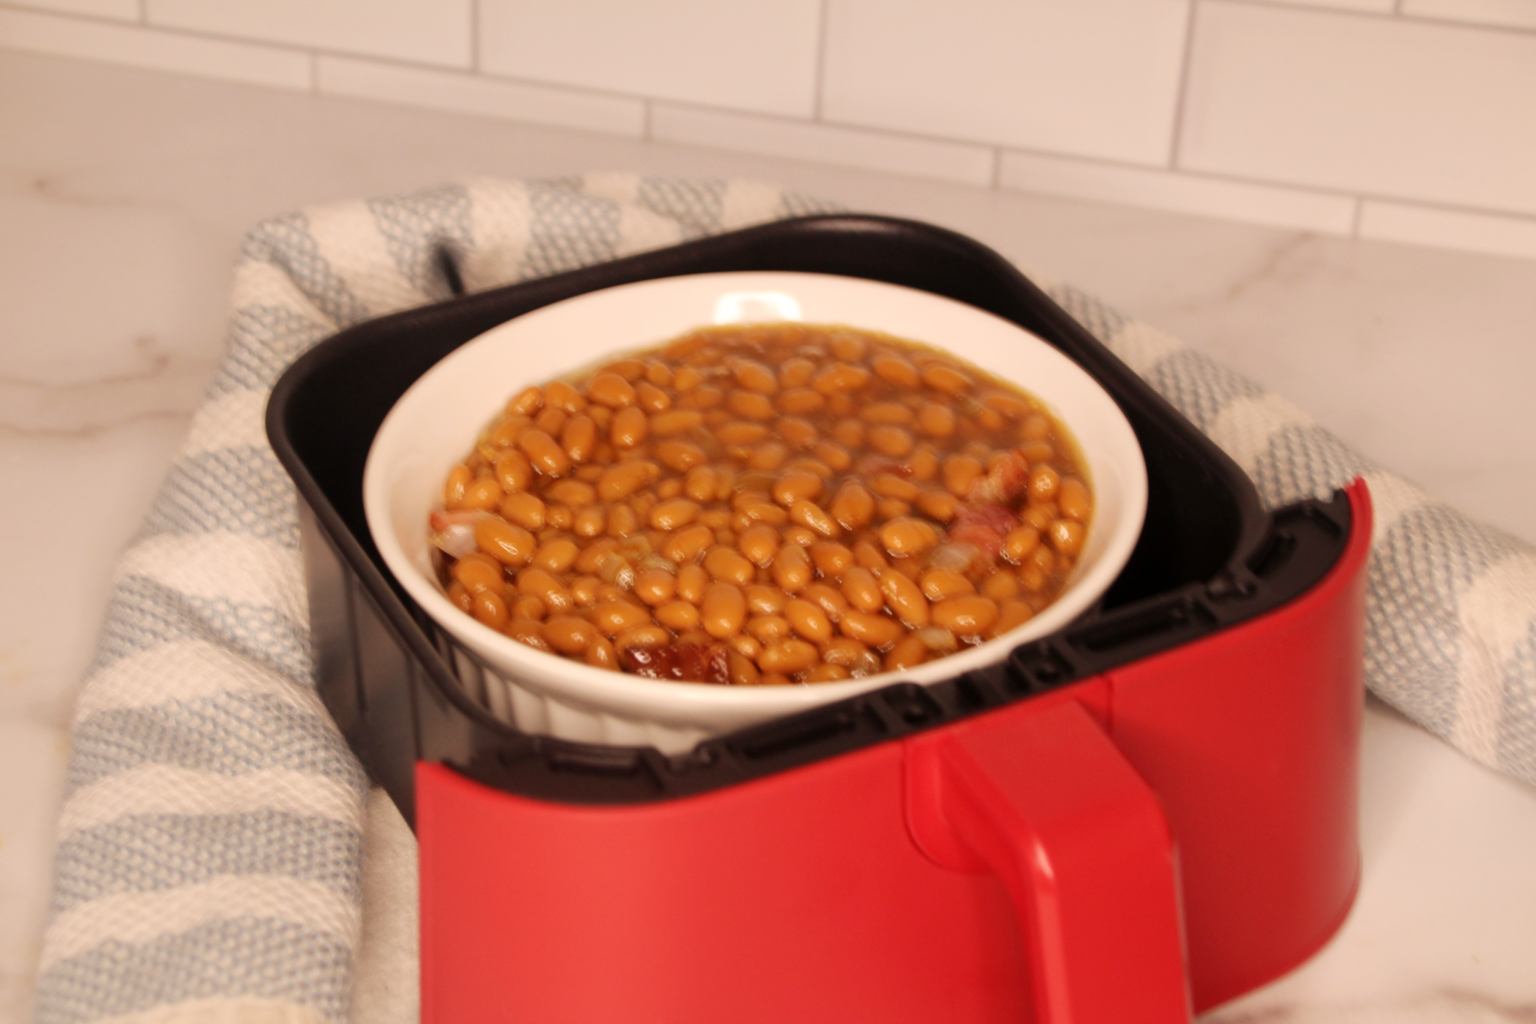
x: 1390, y: 16
x: 821, y: 60
x: 997, y: 168
x: 314, y: 73
x: 143, y: 12
x: 1181, y: 96
x: 1354, y: 223
x: 647, y: 114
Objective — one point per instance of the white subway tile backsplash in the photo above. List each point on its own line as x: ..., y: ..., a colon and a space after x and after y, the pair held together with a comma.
x: 1089, y: 78
x: 1511, y: 13
x: 1184, y: 193
x: 1448, y: 229
x: 476, y: 94
x: 1382, y: 106
x: 753, y: 55
x: 429, y: 31
x: 160, y: 51
x: 121, y: 10
x: 804, y: 140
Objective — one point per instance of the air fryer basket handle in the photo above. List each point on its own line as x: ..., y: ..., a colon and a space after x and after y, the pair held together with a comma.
x: 1046, y: 802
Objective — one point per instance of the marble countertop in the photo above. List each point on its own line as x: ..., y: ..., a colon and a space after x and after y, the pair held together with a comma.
x: 123, y: 197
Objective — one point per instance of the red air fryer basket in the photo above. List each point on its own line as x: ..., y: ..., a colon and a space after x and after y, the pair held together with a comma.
x: 1133, y: 820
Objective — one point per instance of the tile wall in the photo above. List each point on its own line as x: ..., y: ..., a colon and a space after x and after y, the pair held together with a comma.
x: 1404, y: 120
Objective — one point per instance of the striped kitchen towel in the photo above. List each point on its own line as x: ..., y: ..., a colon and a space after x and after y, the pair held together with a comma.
x: 210, y: 844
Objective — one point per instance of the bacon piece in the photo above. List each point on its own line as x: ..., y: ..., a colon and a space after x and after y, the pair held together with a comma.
x: 697, y: 663
x: 1004, y: 481
x: 983, y: 526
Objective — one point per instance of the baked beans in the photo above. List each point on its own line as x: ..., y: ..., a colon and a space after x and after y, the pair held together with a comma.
x: 762, y: 505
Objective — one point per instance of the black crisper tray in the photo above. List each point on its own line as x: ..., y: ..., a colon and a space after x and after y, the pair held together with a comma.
x: 401, y: 690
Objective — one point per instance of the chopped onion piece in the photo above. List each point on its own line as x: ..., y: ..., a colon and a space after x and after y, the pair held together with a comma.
x: 937, y: 639
x: 454, y: 532
x: 956, y: 556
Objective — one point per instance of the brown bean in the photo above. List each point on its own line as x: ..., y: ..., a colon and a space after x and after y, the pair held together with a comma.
x: 678, y: 614
x: 808, y: 620
x: 557, y: 555
x: 796, y: 432
x: 615, y: 617
x: 569, y: 634
x: 655, y: 586
x: 651, y: 398
x: 686, y: 545
x: 728, y: 565
x: 621, y: 480
x: 527, y: 632
x: 792, y: 569
x: 1073, y: 499
x: 759, y: 543
x: 527, y: 608
x: 768, y: 628
x: 862, y: 590
x: 1043, y: 483
x: 826, y: 597
x: 889, y: 440
x: 874, y: 630
x: 1010, y: 615
x: 960, y: 472
x: 629, y: 427
x: 889, y: 485
x: 966, y: 616
x: 812, y: 516
x: 542, y: 584
x: 755, y: 376
x: 579, y: 438
x: 741, y: 670
x: 489, y: 609
x: 943, y: 584
x: 763, y: 599
x: 768, y: 456
x: 575, y: 493
x: 1067, y: 536
x: 477, y: 571
x: 905, y: 599
x: 750, y: 405
x: 676, y: 421
x: 1019, y: 542
x: 692, y: 582
x: 679, y: 455
x: 523, y: 509
x: 831, y: 558
x: 674, y: 514
x: 946, y: 379
x: 1000, y: 586
x: 840, y: 377
x: 590, y: 521
x: 482, y: 494
x: 825, y: 673
x: 724, y: 610
x: 788, y: 657
x: 611, y: 390
x: 506, y: 542
x: 936, y: 420
x: 800, y: 486
x: 909, y: 652
x: 543, y: 453
x: 600, y: 654
x: 940, y: 505
x: 799, y: 401
x: 907, y: 537
x: 896, y: 370
x: 526, y: 402
x: 643, y: 636
x: 594, y: 554
x: 869, y: 556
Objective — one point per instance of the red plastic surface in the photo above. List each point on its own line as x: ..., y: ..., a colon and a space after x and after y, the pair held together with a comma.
x: 905, y: 882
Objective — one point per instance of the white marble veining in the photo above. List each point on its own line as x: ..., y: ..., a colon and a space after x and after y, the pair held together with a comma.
x: 123, y: 197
